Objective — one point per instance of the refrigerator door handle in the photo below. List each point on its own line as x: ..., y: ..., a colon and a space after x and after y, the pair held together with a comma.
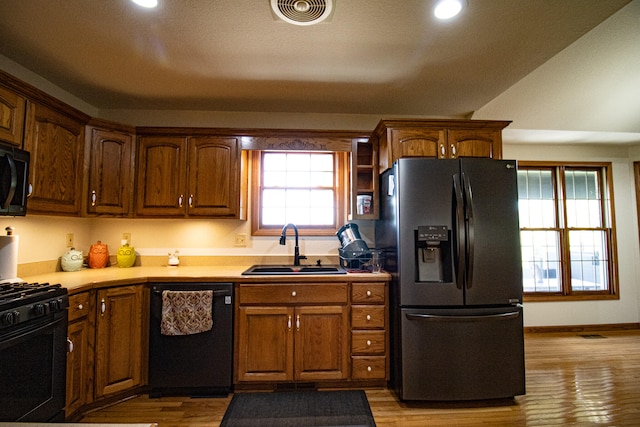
x: 469, y: 228
x: 479, y: 318
x: 459, y: 231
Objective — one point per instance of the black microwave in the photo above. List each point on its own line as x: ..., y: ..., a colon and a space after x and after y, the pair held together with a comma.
x: 14, y: 185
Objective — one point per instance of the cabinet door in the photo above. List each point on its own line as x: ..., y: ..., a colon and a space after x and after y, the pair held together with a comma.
x: 475, y: 143
x: 79, y: 365
x: 55, y: 174
x: 265, y: 344
x: 321, y: 343
x: 161, y: 176
x: 214, y: 177
x: 12, y: 108
x: 417, y: 142
x: 81, y: 339
x: 109, y: 172
x: 118, y: 339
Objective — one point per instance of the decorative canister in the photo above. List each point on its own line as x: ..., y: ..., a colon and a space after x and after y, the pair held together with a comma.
x: 71, y: 260
x: 126, y: 255
x: 98, y: 255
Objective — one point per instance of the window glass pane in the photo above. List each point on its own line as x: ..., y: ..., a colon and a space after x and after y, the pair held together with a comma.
x: 541, y: 261
x: 536, y: 199
x: 299, y: 188
x: 588, y: 260
x: 583, y: 199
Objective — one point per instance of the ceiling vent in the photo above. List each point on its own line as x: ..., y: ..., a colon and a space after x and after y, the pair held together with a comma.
x: 302, y: 12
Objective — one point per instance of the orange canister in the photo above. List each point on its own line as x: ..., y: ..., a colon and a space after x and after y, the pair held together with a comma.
x: 98, y: 255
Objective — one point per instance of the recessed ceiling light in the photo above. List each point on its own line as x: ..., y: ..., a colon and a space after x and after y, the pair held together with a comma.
x: 447, y: 9
x: 146, y: 3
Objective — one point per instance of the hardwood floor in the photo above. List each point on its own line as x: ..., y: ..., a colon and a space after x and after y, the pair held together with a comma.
x: 571, y: 380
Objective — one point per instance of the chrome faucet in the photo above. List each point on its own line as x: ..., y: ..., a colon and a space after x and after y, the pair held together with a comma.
x: 296, y: 251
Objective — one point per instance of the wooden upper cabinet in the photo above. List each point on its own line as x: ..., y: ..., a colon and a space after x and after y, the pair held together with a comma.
x: 214, y: 177
x: 12, y: 109
x: 162, y: 171
x: 417, y: 142
x: 475, y: 143
x: 110, y: 171
x: 56, y: 143
x: 188, y: 176
x: 443, y: 139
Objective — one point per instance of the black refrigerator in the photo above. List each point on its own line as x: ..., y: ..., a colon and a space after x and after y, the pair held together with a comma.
x: 449, y: 230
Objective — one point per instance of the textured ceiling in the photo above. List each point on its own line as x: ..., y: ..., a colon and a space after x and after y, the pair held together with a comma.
x: 381, y: 57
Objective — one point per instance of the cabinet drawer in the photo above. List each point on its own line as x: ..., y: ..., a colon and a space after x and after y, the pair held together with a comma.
x: 317, y: 293
x: 368, y: 293
x: 78, y: 306
x: 367, y: 342
x: 367, y: 317
x: 368, y: 367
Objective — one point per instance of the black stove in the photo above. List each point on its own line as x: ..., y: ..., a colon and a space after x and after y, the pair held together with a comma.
x: 33, y: 349
x: 22, y: 302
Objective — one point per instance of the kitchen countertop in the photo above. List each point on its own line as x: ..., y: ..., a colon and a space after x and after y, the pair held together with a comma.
x: 87, y: 278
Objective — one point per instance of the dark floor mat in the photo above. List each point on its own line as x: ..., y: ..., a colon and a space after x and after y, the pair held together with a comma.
x: 298, y: 409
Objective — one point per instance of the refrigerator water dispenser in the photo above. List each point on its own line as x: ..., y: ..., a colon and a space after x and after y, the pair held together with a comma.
x: 432, y: 251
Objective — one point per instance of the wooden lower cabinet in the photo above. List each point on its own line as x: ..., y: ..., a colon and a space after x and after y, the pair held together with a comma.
x: 282, y: 337
x: 80, y: 341
x: 369, y: 331
x: 312, y: 332
x: 119, y: 339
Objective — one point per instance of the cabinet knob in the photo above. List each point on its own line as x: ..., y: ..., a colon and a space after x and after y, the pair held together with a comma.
x: 368, y: 317
x: 294, y: 293
x: 368, y: 343
x: 80, y: 307
x: 368, y: 293
x: 369, y: 369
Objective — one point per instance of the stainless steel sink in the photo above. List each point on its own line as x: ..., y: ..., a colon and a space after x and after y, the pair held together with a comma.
x: 265, y: 270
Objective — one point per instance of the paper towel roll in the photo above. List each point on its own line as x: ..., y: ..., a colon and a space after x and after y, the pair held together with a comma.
x: 9, y: 257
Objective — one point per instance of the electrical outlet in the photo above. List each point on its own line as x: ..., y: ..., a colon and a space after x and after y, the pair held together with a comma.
x: 241, y: 240
x: 127, y: 237
x: 69, y: 240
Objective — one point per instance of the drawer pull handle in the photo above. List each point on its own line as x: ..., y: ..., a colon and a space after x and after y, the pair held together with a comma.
x: 294, y: 293
x: 69, y: 345
x: 289, y: 323
x: 298, y: 322
x: 369, y: 369
x: 368, y: 317
x: 368, y: 293
x: 368, y: 343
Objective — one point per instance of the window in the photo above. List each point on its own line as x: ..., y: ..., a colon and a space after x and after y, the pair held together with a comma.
x: 567, y: 233
x: 307, y: 188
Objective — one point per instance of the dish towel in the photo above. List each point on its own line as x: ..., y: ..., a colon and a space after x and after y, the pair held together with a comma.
x: 186, y: 312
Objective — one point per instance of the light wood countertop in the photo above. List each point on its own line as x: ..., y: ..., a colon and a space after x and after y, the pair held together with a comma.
x: 87, y: 278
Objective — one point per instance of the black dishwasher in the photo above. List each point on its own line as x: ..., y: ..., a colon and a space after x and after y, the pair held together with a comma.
x: 196, y: 364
